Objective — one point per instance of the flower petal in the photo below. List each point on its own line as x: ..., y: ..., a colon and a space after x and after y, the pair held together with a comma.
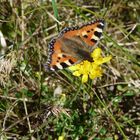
x: 96, y: 53
x: 106, y: 59
x: 84, y: 78
x: 76, y: 73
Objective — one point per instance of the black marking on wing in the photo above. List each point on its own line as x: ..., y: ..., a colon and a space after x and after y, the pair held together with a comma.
x: 85, y: 36
x: 64, y: 65
x: 55, y: 67
x: 93, y: 40
x: 98, y: 34
x: 71, y: 61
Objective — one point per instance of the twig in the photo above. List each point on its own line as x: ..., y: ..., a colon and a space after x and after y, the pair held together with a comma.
x: 26, y: 112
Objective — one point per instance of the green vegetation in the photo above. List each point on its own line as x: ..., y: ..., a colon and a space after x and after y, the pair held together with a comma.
x: 35, y: 104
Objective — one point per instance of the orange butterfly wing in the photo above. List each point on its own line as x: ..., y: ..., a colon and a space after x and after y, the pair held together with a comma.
x: 89, y: 33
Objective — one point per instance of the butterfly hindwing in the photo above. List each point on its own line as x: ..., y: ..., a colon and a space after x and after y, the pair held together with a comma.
x: 73, y: 44
x: 57, y: 59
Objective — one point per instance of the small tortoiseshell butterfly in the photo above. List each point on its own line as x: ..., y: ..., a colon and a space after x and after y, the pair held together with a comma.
x: 73, y: 45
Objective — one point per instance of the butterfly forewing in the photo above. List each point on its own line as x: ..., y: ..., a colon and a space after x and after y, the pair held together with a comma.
x: 90, y: 32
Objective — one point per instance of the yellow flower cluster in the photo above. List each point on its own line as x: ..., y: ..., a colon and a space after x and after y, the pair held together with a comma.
x: 90, y: 69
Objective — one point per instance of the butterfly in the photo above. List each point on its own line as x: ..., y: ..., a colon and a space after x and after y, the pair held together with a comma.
x: 73, y: 45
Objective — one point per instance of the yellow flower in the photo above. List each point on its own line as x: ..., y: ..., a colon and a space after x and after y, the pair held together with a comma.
x: 88, y: 69
x: 61, y: 138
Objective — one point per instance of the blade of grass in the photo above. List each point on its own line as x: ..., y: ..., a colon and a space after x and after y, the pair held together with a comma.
x: 55, y: 12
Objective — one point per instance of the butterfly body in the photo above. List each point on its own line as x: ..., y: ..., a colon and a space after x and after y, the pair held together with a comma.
x: 73, y: 45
